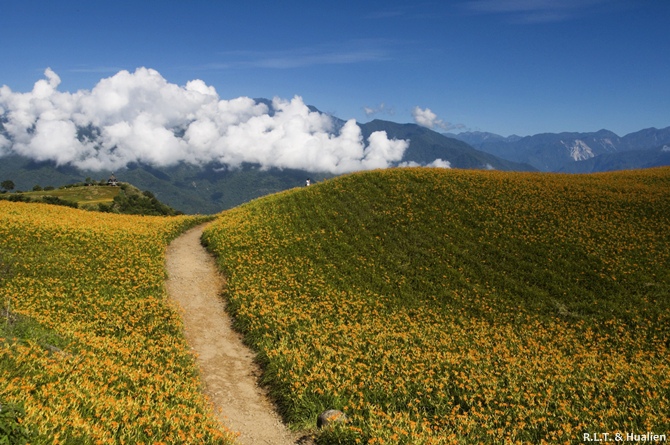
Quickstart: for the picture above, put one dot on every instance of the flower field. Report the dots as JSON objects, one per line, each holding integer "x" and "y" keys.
{"x": 440, "y": 306}
{"x": 103, "y": 359}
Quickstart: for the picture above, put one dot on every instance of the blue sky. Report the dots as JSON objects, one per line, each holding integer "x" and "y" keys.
{"x": 506, "y": 66}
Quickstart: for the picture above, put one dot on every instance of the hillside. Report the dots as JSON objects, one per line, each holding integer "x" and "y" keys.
{"x": 83, "y": 196}
{"x": 450, "y": 306}
{"x": 122, "y": 198}
{"x": 91, "y": 351}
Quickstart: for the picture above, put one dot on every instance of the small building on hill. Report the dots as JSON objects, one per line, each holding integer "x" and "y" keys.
{"x": 112, "y": 181}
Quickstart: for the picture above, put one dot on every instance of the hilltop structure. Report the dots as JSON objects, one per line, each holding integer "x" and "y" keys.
{"x": 112, "y": 181}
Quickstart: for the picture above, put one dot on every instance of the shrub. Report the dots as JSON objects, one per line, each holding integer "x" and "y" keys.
{"x": 12, "y": 430}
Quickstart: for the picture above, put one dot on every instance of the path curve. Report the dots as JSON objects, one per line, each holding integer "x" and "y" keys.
{"x": 227, "y": 368}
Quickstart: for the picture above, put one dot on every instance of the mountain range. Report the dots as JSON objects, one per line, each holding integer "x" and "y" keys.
{"x": 577, "y": 152}
{"x": 213, "y": 187}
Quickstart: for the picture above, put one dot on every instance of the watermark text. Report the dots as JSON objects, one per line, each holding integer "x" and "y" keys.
{"x": 625, "y": 437}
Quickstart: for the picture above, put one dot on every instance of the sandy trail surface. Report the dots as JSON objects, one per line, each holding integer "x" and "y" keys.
{"x": 227, "y": 368}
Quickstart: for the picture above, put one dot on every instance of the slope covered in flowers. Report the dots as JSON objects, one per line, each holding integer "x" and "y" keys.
{"x": 104, "y": 359}
{"x": 444, "y": 306}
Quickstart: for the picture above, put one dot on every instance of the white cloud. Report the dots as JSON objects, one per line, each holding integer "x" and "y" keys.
{"x": 381, "y": 150}
{"x": 426, "y": 118}
{"x": 437, "y": 163}
{"x": 141, "y": 117}
{"x": 4, "y": 145}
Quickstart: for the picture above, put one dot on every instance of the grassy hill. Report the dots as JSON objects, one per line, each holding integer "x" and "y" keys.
{"x": 447, "y": 306}
{"x": 124, "y": 198}
{"x": 83, "y": 196}
{"x": 90, "y": 349}
{"x": 432, "y": 306}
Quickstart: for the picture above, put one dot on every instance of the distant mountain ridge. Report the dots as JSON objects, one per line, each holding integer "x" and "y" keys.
{"x": 577, "y": 152}
{"x": 427, "y": 145}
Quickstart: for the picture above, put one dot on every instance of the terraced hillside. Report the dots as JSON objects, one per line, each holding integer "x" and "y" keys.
{"x": 443, "y": 306}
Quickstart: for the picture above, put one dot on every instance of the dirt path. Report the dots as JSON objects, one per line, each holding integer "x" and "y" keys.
{"x": 226, "y": 365}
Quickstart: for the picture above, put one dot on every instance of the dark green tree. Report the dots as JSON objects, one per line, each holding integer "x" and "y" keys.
{"x": 7, "y": 185}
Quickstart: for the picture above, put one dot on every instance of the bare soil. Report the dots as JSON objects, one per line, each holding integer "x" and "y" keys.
{"x": 227, "y": 368}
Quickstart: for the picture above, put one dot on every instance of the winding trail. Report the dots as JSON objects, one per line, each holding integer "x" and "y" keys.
{"x": 227, "y": 368}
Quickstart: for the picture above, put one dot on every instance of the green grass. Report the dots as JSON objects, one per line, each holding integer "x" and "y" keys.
{"x": 89, "y": 195}
{"x": 15, "y": 327}
{"x": 437, "y": 306}
{"x": 19, "y": 328}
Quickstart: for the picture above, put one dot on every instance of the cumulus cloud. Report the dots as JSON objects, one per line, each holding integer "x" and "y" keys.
{"x": 4, "y": 145}
{"x": 440, "y": 163}
{"x": 426, "y": 118}
{"x": 141, "y": 117}
{"x": 437, "y": 163}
